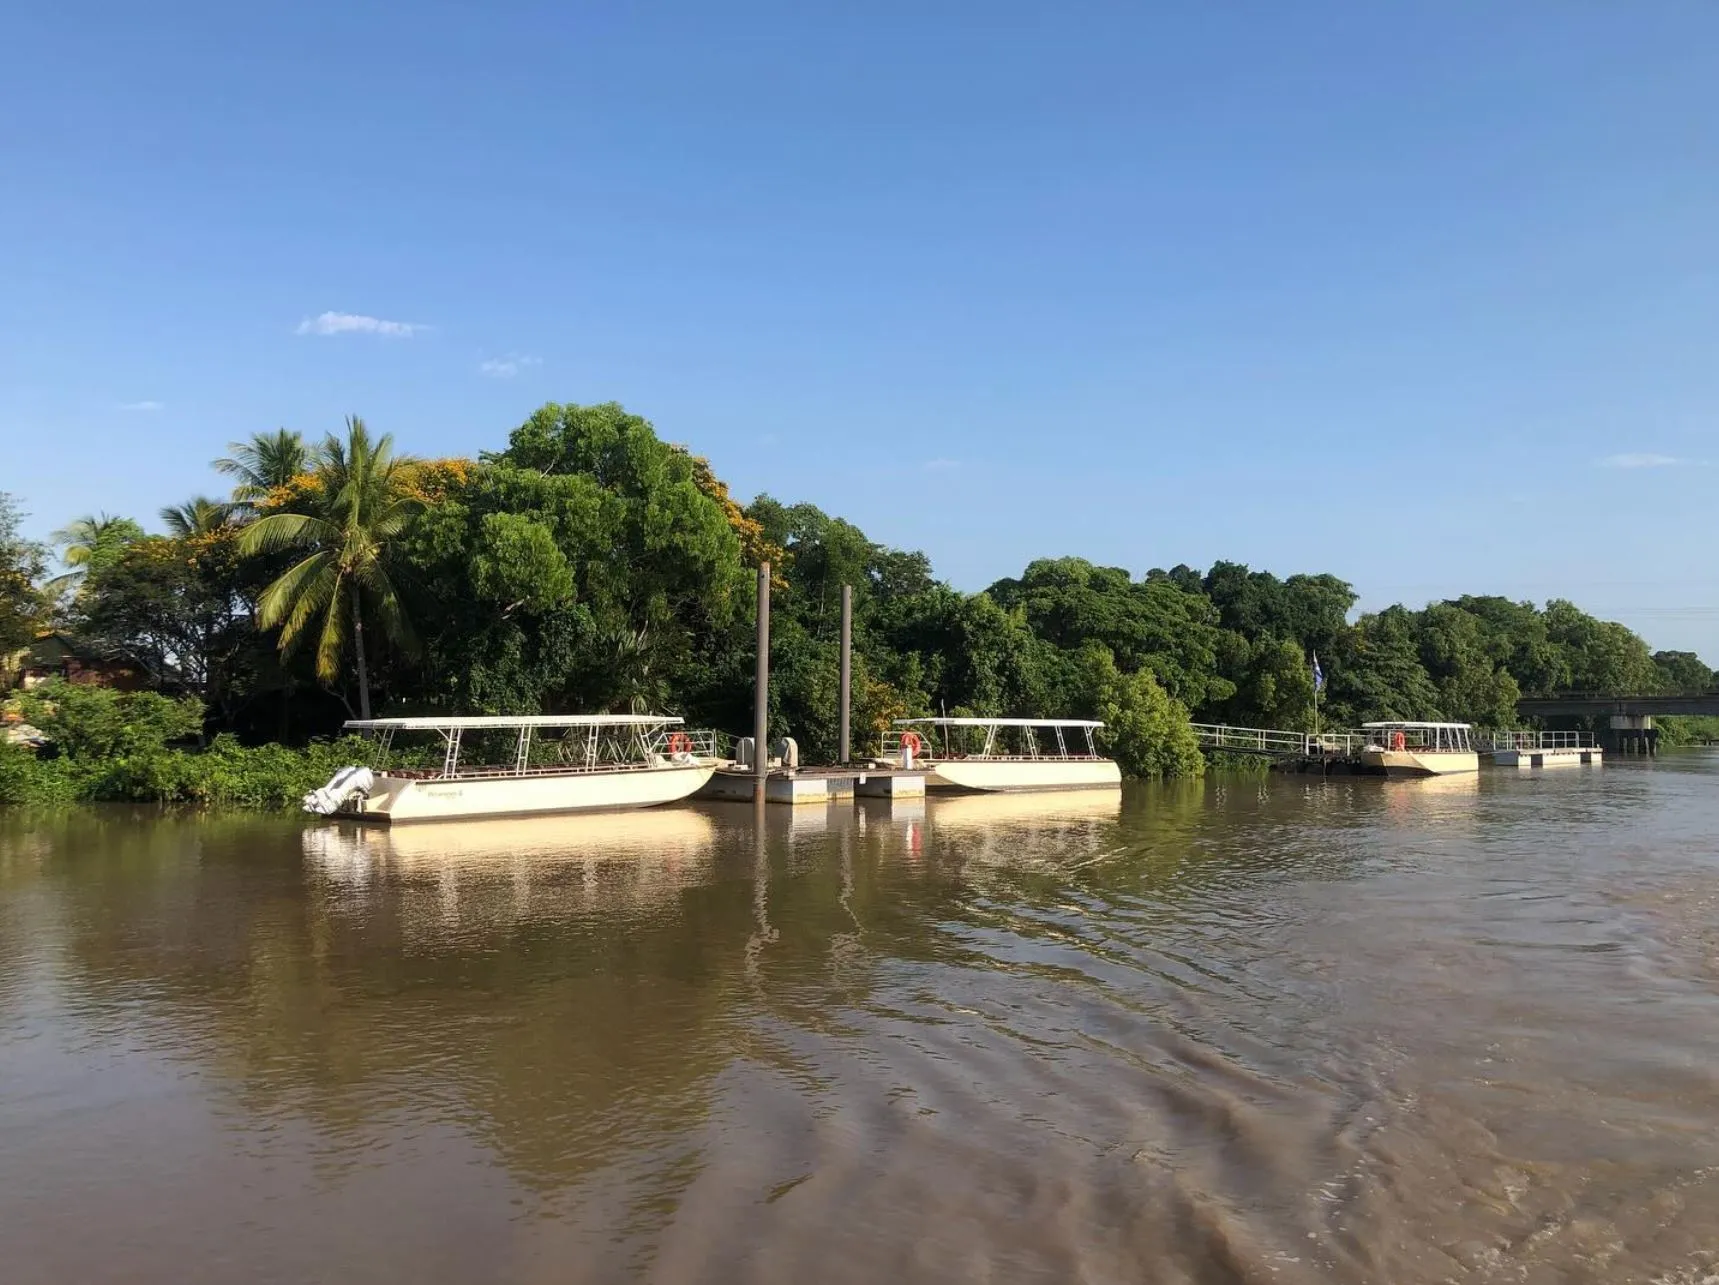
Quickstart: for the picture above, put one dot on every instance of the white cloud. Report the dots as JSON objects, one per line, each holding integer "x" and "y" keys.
{"x": 143, "y": 406}
{"x": 352, "y": 323}
{"x": 941, "y": 465}
{"x": 1641, "y": 460}
{"x": 509, "y": 366}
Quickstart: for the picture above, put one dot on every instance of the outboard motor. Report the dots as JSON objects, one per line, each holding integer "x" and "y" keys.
{"x": 341, "y": 786}
{"x": 788, "y": 752}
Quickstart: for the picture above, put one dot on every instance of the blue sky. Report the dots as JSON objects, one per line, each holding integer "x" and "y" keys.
{"x": 1424, "y": 294}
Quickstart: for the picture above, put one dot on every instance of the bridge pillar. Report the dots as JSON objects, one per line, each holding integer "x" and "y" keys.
{"x": 1635, "y": 734}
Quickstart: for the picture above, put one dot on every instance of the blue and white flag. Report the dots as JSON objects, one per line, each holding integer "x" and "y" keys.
{"x": 1318, "y": 675}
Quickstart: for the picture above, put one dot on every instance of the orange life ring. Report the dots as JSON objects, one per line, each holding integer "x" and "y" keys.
{"x": 1398, "y": 741}
{"x": 912, "y": 743}
{"x": 679, "y": 743}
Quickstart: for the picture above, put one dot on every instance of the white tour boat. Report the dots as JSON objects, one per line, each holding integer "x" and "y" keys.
{"x": 521, "y": 766}
{"x": 989, "y": 754}
{"x": 1418, "y": 749}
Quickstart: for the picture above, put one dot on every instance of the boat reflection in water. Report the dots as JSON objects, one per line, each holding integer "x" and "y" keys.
{"x": 1050, "y": 825}
{"x": 528, "y": 866}
{"x": 1443, "y": 802}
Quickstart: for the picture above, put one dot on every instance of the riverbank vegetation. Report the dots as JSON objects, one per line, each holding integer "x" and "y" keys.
{"x": 590, "y": 565}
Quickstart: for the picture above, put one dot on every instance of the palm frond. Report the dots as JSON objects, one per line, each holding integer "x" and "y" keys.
{"x": 285, "y": 531}
{"x": 321, "y": 590}
{"x": 336, "y": 625}
{"x": 396, "y": 518}
{"x": 282, "y": 598}
{"x": 265, "y": 461}
{"x": 198, "y": 516}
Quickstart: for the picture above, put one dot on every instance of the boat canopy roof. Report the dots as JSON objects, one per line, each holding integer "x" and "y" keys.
{"x": 1395, "y": 723}
{"x": 433, "y": 723}
{"x": 997, "y": 722}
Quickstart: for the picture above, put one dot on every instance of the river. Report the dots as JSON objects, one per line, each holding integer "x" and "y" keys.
{"x": 1276, "y": 1029}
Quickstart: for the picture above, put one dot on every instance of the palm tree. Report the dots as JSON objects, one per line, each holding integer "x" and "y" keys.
{"x": 199, "y": 516}
{"x": 360, "y": 506}
{"x": 89, "y": 543}
{"x": 265, "y": 462}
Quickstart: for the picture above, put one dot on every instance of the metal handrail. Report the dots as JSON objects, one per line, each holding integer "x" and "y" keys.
{"x": 1073, "y": 748}
{"x": 1223, "y": 738}
{"x": 1513, "y": 739}
{"x": 700, "y": 742}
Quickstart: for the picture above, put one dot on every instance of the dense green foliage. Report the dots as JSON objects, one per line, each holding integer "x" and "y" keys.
{"x": 143, "y": 747}
{"x": 23, "y": 604}
{"x": 590, "y": 565}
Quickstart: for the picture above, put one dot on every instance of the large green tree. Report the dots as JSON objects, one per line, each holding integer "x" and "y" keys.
{"x": 23, "y": 605}
{"x": 1683, "y": 671}
{"x": 658, "y": 560}
{"x": 175, "y": 607}
{"x": 88, "y": 544}
{"x": 264, "y": 463}
{"x": 1453, "y": 651}
{"x": 1145, "y": 728}
{"x": 1516, "y": 640}
{"x": 589, "y": 566}
{"x": 360, "y": 505}
{"x": 1376, "y": 672}
{"x": 1149, "y": 624}
{"x": 197, "y": 516}
{"x": 1603, "y": 656}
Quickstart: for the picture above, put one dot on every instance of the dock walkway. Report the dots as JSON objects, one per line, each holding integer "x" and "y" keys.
{"x": 817, "y": 784}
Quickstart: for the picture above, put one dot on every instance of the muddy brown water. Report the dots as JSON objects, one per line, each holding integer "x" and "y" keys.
{"x": 1280, "y": 1030}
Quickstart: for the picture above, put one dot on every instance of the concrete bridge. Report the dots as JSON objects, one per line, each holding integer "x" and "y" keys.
{"x": 1591, "y": 705}
{"x": 1631, "y": 717}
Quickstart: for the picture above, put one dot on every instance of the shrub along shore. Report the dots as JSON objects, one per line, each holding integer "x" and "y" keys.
{"x": 109, "y": 747}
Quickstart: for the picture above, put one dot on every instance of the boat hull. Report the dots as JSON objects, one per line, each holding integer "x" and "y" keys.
{"x": 1414, "y": 763}
{"x": 986, "y": 776}
{"x": 395, "y": 799}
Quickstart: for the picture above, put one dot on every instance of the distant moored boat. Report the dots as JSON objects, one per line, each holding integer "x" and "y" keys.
{"x": 992, "y": 754}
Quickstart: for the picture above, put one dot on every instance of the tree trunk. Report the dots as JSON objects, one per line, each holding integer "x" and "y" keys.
{"x": 358, "y": 646}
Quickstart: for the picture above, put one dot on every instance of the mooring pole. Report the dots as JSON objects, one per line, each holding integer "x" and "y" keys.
{"x": 761, "y": 692}
{"x": 847, "y": 669}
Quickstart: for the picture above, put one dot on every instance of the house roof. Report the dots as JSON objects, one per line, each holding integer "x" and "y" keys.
{"x": 51, "y": 648}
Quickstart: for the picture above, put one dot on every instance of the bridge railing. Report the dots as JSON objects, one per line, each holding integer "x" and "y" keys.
{"x": 1275, "y": 742}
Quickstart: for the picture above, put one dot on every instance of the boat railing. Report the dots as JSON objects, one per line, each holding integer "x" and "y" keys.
{"x": 527, "y": 751}
{"x": 1419, "y": 740}
{"x": 699, "y": 742}
{"x": 1042, "y": 746}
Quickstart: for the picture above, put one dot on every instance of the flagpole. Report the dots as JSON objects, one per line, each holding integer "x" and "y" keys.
{"x": 1318, "y": 682}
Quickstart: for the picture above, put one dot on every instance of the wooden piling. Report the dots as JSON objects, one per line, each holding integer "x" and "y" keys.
{"x": 761, "y": 685}
{"x": 847, "y": 671}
